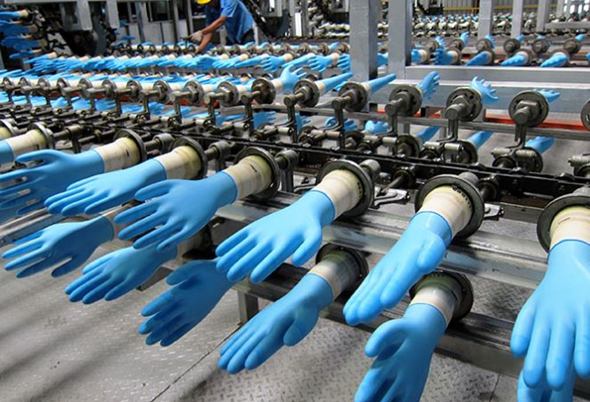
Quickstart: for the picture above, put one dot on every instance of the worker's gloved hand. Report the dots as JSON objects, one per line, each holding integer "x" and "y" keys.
{"x": 543, "y": 393}
{"x": 117, "y": 273}
{"x": 197, "y": 288}
{"x": 272, "y": 63}
{"x": 168, "y": 210}
{"x": 553, "y": 327}
{"x": 402, "y": 350}
{"x": 320, "y": 64}
{"x": 52, "y": 175}
{"x": 285, "y": 322}
{"x": 418, "y": 252}
{"x": 104, "y": 191}
{"x": 196, "y": 37}
{"x": 266, "y": 243}
{"x": 488, "y": 93}
{"x": 64, "y": 246}
{"x": 290, "y": 76}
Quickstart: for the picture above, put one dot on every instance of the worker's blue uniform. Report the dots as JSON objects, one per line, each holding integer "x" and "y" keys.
{"x": 239, "y": 24}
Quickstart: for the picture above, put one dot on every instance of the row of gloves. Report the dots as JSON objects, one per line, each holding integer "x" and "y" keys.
{"x": 262, "y": 246}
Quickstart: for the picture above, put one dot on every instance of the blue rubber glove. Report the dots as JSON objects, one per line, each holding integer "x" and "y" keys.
{"x": 266, "y": 243}
{"x": 300, "y": 61}
{"x": 10, "y": 15}
{"x": 418, "y": 252}
{"x": 442, "y": 57}
{"x": 541, "y": 144}
{"x": 382, "y": 59}
{"x": 519, "y": 59}
{"x": 488, "y": 94}
{"x": 289, "y": 77}
{"x": 227, "y": 63}
{"x": 344, "y": 63}
{"x": 426, "y": 134}
{"x": 251, "y": 62}
{"x": 104, "y": 191}
{"x": 464, "y": 38}
{"x": 378, "y": 83}
{"x": 6, "y": 154}
{"x": 168, "y": 210}
{"x": 480, "y": 138}
{"x": 54, "y": 174}
{"x": 320, "y": 64}
{"x": 549, "y": 94}
{"x": 543, "y": 393}
{"x": 272, "y": 63}
{"x": 480, "y": 59}
{"x": 117, "y": 274}
{"x": 403, "y": 349}
{"x": 418, "y": 57}
{"x": 553, "y": 327}
{"x": 68, "y": 245}
{"x": 197, "y": 288}
{"x": 286, "y": 322}
{"x": 349, "y": 125}
{"x": 557, "y": 60}
{"x": 376, "y": 127}
{"x": 429, "y": 85}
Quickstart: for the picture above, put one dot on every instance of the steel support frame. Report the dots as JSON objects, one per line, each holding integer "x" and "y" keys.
{"x": 543, "y": 15}
{"x": 517, "y": 17}
{"x": 486, "y": 18}
{"x": 364, "y": 15}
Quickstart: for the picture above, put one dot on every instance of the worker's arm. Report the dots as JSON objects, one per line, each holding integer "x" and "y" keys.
{"x": 204, "y": 42}
{"x": 218, "y": 23}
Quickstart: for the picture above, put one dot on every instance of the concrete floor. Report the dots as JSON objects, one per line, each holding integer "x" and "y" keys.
{"x": 54, "y": 350}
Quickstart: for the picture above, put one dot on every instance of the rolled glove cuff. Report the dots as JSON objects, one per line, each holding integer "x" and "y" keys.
{"x": 450, "y": 203}
{"x": 439, "y": 292}
{"x": 571, "y": 223}
{"x": 181, "y": 163}
{"x": 32, "y": 140}
{"x": 119, "y": 154}
{"x": 251, "y": 175}
{"x": 343, "y": 188}
{"x": 338, "y": 269}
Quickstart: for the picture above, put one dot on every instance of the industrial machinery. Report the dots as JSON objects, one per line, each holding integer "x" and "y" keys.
{"x": 366, "y": 184}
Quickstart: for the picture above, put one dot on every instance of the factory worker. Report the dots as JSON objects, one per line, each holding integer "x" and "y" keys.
{"x": 233, "y": 14}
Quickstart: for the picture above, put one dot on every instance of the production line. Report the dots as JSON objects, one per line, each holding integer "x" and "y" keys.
{"x": 273, "y": 170}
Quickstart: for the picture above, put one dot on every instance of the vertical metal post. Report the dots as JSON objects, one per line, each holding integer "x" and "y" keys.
{"x": 112, "y": 14}
{"x": 364, "y": 16}
{"x": 142, "y": 19}
{"x": 517, "y": 14}
{"x": 292, "y": 14}
{"x": 188, "y": 6}
{"x": 247, "y": 306}
{"x": 559, "y": 8}
{"x": 304, "y": 19}
{"x": 84, "y": 17}
{"x": 175, "y": 20}
{"x": 400, "y": 37}
{"x": 543, "y": 14}
{"x": 486, "y": 18}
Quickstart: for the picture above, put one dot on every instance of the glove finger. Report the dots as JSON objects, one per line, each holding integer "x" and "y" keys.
{"x": 310, "y": 246}
{"x": 97, "y": 263}
{"x": 81, "y": 281}
{"x": 100, "y": 291}
{"x": 178, "y": 238}
{"x": 559, "y": 357}
{"x": 177, "y": 334}
{"x": 534, "y": 363}
{"x": 262, "y": 352}
{"x": 30, "y": 208}
{"x": 371, "y": 384}
{"x": 237, "y": 339}
{"x": 160, "y": 303}
{"x": 272, "y": 261}
{"x": 77, "y": 207}
{"x": 136, "y": 213}
{"x": 107, "y": 202}
{"x": 400, "y": 281}
{"x": 523, "y": 329}
{"x": 43, "y": 156}
{"x": 236, "y": 363}
{"x": 231, "y": 242}
{"x": 54, "y": 202}
{"x": 25, "y": 248}
{"x": 142, "y": 226}
{"x": 165, "y": 330}
{"x": 38, "y": 267}
{"x": 154, "y": 190}
{"x": 161, "y": 318}
{"x": 582, "y": 351}
{"x": 301, "y": 327}
{"x": 241, "y": 268}
{"x": 227, "y": 261}
{"x": 155, "y": 236}
{"x": 78, "y": 294}
{"x": 19, "y": 201}
{"x": 14, "y": 189}
{"x": 389, "y": 335}
{"x": 82, "y": 182}
{"x": 68, "y": 267}
{"x": 28, "y": 259}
